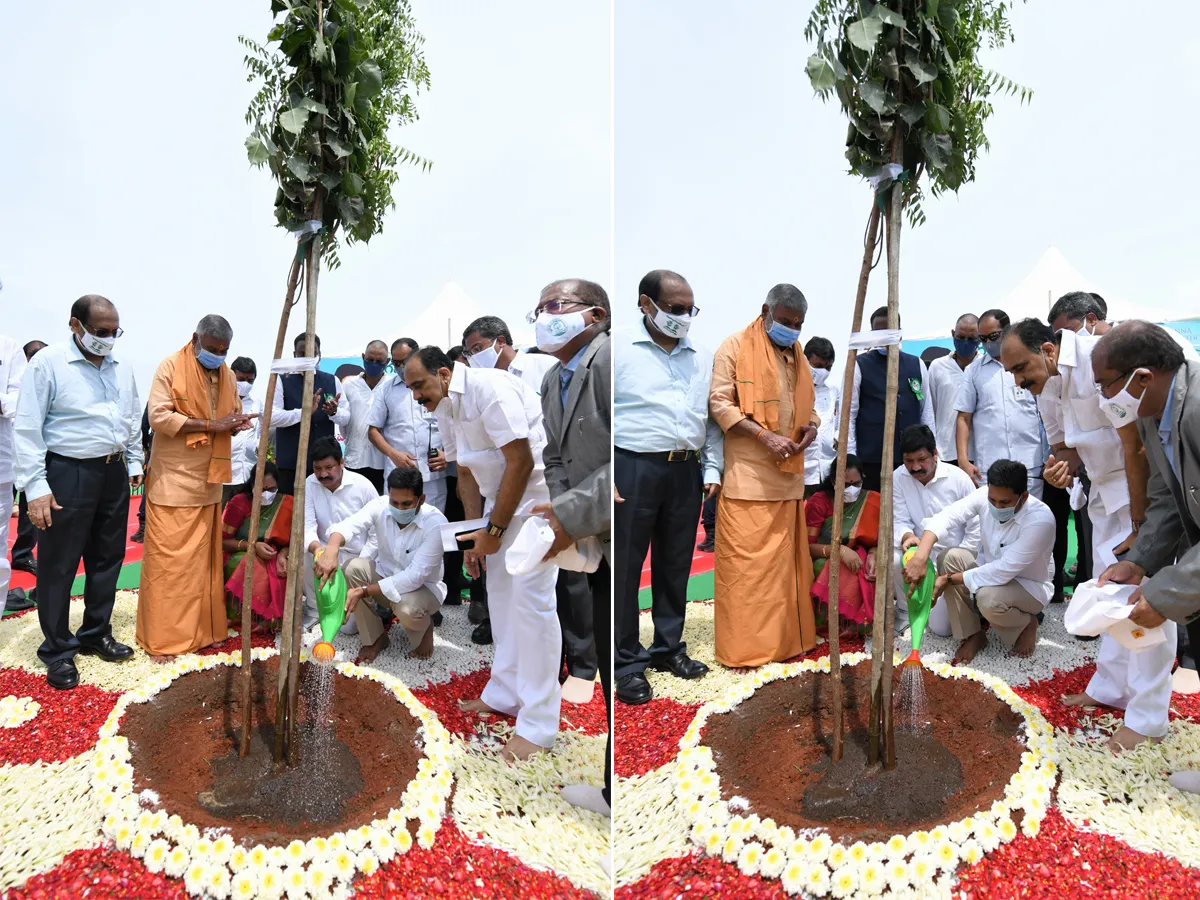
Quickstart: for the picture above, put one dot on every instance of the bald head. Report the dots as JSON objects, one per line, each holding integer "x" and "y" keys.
{"x": 90, "y": 305}
{"x": 1137, "y": 345}
{"x": 376, "y": 347}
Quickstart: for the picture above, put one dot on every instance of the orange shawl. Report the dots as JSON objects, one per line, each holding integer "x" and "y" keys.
{"x": 189, "y": 385}
{"x": 758, "y": 388}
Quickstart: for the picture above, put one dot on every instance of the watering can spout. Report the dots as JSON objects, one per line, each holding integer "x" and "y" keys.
{"x": 331, "y": 612}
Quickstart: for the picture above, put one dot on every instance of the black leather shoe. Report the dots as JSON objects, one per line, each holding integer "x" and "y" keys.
{"x": 18, "y": 601}
{"x": 25, "y": 564}
{"x": 107, "y": 649}
{"x": 62, "y": 675}
{"x": 708, "y": 545}
{"x": 139, "y": 536}
{"x": 681, "y": 666}
{"x": 634, "y": 690}
{"x": 482, "y": 633}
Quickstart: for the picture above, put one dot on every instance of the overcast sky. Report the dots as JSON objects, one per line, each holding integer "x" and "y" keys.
{"x": 125, "y": 172}
{"x": 730, "y": 171}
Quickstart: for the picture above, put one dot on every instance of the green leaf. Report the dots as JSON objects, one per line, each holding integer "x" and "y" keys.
{"x": 931, "y": 8}
{"x": 351, "y": 210}
{"x": 937, "y": 118}
{"x": 889, "y": 65}
{"x": 340, "y": 150}
{"x": 292, "y": 120}
{"x": 331, "y": 180}
{"x": 874, "y": 96}
{"x": 320, "y": 51}
{"x": 351, "y": 89}
{"x": 257, "y": 151}
{"x": 820, "y": 73}
{"x": 922, "y": 71}
{"x": 864, "y": 33}
{"x": 912, "y": 113}
{"x": 352, "y": 185}
{"x": 299, "y": 167}
{"x": 887, "y": 15}
{"x": 314, "y": 106}
{"x": 937, "y": 149}
{"x": 370, "y": 79}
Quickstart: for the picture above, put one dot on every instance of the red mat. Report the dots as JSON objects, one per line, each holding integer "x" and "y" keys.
{"x": 133, "y": 552}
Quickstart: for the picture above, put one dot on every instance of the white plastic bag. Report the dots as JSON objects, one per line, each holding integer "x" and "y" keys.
{"x": 1095, "y": 610}
{"x": 525, "y": 556}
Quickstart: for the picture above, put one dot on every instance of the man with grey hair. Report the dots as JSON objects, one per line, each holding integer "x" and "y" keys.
{"x": 762, "y": 398}
{"x": 194, "y": 411}
{"x": 869, "y": 401}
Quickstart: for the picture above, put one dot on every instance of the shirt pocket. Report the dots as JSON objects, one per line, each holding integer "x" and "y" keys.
{"x": 697, "y": 395}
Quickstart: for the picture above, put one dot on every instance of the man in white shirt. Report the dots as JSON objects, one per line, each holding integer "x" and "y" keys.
{"x": 487, "y": 344}
{"x": 1058, "y": 370}
{"x": 332, "y": 494}
{"x": 492, "y": 426}
{"x": 826, "y": 404}
{"x": 244, "y": 445}
{"x": 921, "y": 488}
{"x": 1001, "y": 415}
{"x": 12, "y": 367}
{"x": 869, "y": 402}
{"x": 403, "y": 568}
{"x": 362, "y": 456}
{"x": 404, "y": 433}
{"x": 1010, "y": 580}
{"x": 945, "y": 379}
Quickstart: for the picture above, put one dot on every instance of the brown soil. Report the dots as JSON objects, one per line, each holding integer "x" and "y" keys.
{"x": 183, "y": 745}
{"x": 774, "y": 752}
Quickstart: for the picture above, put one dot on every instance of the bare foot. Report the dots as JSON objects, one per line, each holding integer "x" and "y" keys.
{"x": 162, "y": 660}
{"x": 370, "y": 651}
{"x": 577, "y": 690}
{"x": 968, "y": 648}
{"x": 520, "y": 749}
{"x": 1078, "y": 700}
{"x": 1127, "y": 739}
{"x": 424, "y": 650}
{"x": 478, "y": 707}
{"x": 1027, "y": 640}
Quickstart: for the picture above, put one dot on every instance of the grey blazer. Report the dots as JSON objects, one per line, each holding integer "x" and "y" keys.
{"x": 1168, "y": 545}
{"x": 578, "y": 454}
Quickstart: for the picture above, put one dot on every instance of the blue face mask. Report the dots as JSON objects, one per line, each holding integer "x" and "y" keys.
{"x": 882, "y": 351}
{"x": 209, "y": 360}
{"x": 965, "y": 347}
{"x": 781, "y": 335}
{"x": 373, "y": 369}
{"x": 1002, "y": 515}
{"x": 404, "y": 516}
{"x": 992, "y": 348}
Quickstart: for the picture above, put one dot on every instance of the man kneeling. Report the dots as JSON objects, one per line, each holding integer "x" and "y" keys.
{"x": 402, "y": 566}
{"x": 1011, "y": 578}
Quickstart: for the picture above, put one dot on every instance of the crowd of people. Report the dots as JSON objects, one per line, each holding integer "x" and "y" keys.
{"x": 993, "y": 450}
{"x": 414, "y": 440}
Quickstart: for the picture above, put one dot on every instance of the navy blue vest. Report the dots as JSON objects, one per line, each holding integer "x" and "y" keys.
{"x": 287, "y": 440}
{"x": 873, "y": 400}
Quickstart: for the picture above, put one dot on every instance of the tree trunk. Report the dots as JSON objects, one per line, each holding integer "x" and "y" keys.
{"x": 287, "y": 695}
{"x": 835, "y": 650}
{"x": 256, "y": 509}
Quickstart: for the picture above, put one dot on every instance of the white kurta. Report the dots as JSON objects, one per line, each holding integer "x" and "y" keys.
{"x": 1139, "y": 683}
{"x": 360, "y": 452}
{"x": 821, "y": 455}
{"x": 12, "y": 367}
{"x": 485, "y": 410}
{"x": 408, "y": 428}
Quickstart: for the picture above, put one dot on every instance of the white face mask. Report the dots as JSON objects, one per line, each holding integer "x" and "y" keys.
{"x": 672, "y": 326}
{"x": 820, "y": 376}
{"x": 243, "y": 388}
{"x": 268, "y": 497}
{"x": 555, "y": 332}
{"x": 97, "y": 346}
{"x": 485, "y": 358}
{"x": 851, "y": 493}
{"x": 1123, "y": 408}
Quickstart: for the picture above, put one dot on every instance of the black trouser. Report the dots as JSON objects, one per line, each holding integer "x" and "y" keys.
{"x": 375, "y": 476}
{"x": 871, "y": 475}
{"x": 452, "y": 562}
{"x": 94, "y": 496}
{"x": 601, "y": 584}
{"x": 660, "y": 514}
{"x": 1190, "y": 657}
{"x": 1083, "y": 536}
{"x": 708, "y": 518}
{"x": 142, "y": 511}
{"x": 22, "y": 548}
{"x": 573, "y": 592}
{"x": 1059, "y": 502}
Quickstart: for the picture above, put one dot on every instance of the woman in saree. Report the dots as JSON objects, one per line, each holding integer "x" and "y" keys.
{"x": 860, "y": 534}
{"x": 269, "y": 547}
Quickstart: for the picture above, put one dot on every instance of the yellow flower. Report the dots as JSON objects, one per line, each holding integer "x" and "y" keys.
{"x": 425, "y": 836}
{"x": 297, "y": 852}
{"x": 343, "y": 865}
{"x": 244, "y": 887}
{"x": 404, "y": 840}
{"x": 837, "y": 856}
{"x": 1008, "y": 830}
{"x": 156, "y": 855}
{"x": 857, "y": 852}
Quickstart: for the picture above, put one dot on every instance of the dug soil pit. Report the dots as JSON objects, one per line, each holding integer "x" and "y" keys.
{"x": 354, "y": 764}
{"x": 772, "y": 750}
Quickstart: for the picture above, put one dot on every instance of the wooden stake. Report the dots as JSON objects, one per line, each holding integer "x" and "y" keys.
{"x": 256, "y": 509}
{"x": 839, "y": 487}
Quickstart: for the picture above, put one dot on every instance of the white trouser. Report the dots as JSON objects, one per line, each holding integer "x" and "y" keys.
{"x": 309, "y": 615}
{"x": 7, "y": 509}
{"x": 528, "y": 639}
{"x": 939, "y": 616}
{"x": 1139, "y": 683}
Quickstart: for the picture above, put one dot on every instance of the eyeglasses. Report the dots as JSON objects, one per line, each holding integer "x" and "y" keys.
{"x": 1102, "y": 386}
{"x": 554, "y": 308}
{"x": 991, "y": 338}
{"x": 105, "y": 332}
{"x": 678, "y": 309}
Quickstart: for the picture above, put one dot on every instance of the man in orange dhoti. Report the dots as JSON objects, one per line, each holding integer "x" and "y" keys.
{"x": 762, "y": 397}
{"x": 194, "y": 411}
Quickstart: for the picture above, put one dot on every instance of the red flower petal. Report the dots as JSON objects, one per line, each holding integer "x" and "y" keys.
{"x": 700, "y": 876}
{"x": 67, "y": 724}
{"x": 647, "y": 736}
{"x": 99, "y": 874}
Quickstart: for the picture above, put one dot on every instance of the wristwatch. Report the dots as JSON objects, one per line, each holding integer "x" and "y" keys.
{"x": 495, "y": 530}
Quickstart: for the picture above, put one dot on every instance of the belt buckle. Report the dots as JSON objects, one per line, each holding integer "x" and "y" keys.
{"x": 113, "y": 457}
{"x": 677, "y": 455}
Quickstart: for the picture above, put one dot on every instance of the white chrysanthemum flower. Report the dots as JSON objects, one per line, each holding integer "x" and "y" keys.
{"x": 857, "y": 853}
{"x": 343, "y": 864}
{"x": 818, "y": 847}
{"x": 384, "y": 846}
{"x": 816, "y": 879}
{"x": 270, "y": 883}
{"x": 156, "y": 855}
{"x": 296, "y": 853}
{"x": 844, "y": 882}
{"x": 320, "y": 879}
{"x": 244, "y": 887}
{"x": 971, "y": 852}
{"x": 897, "y": 846}
{"x": 731, "y": 849}
{"x": 837, "y": 856}
{"x": 988, "y": 836}
{"x": 317, "y": 846}
{"x": 946, "y": 855}
{"x": 295, "y": 882}
{"x": 873, "y": 879}
{"x": 919, "y": 841}
{"x": 137, "y": 846}
{"x": 367, "y": 862}
{"x": 123, "y": 837}
{"x": 923, "y": 868}
{"x": 939, "y": 834}
{"x": 196, "y": 877}
{"x": 425, "y": 836}
{"x": 899, "y": 875}
{"x": 750, "y": 858}
{"x": 337, "y": 842}
{"x": 1008, "y": 830}
{"x": 1032, "y": 826}
{"x": 217, "y": 884}
{"x": 177, "y": 862}
{"x": 958, "y": 832}
{"x": 203, "y": 849}
{"x": 277, "y": 856}
{"x": 238, "y": 858}
{"x": 403, "y": 840}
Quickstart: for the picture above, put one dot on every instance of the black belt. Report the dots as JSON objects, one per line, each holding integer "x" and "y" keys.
{"x": 118, "y": 457}
{"x": 668, "y": 455}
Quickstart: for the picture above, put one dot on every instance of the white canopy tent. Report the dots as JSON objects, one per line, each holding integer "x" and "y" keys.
{"x": 453, "y": 309}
